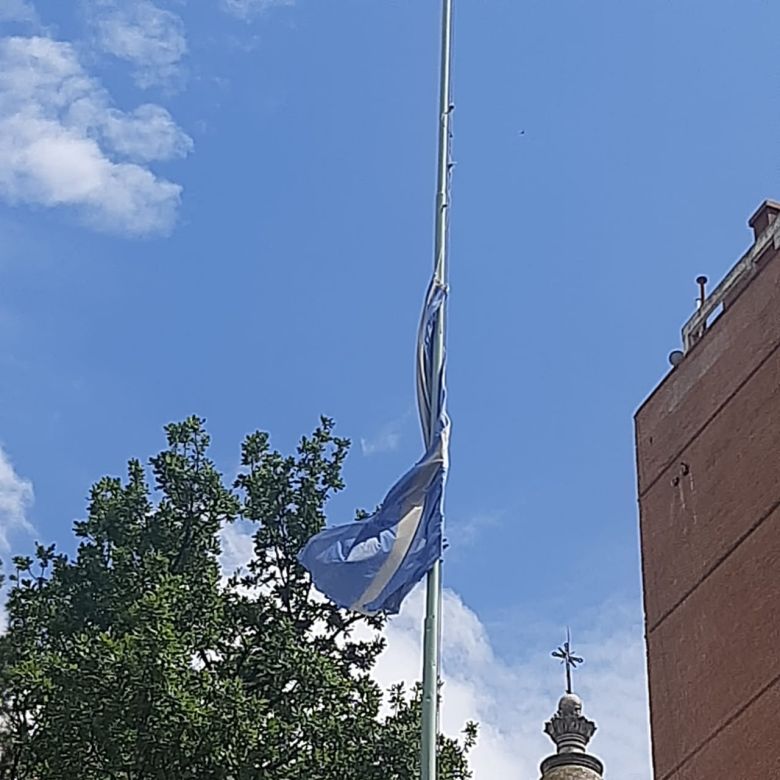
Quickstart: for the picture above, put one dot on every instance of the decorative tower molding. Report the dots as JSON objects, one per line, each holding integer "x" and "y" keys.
{"x": 568, "y": 728}
{"x": 571, "y": 732}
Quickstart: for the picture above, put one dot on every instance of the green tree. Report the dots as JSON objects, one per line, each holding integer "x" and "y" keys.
{"x": 137, "y": 660}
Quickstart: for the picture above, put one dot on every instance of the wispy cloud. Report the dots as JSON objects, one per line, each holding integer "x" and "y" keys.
{"x": 466, "y": 532}
{"x": 63, "y": 143}
{"x": 151, "y": 38}
{"x": 386, "y": 439}
{"x": 17, "y": 11}
{"x": 245, "y": 9}
{"x": 16, "y": 497}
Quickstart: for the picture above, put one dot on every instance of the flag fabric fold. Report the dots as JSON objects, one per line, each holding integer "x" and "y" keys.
{"x": 371, "y": 565}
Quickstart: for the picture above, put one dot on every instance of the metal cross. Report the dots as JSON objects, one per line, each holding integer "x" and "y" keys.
{"x": 568, "y": 658}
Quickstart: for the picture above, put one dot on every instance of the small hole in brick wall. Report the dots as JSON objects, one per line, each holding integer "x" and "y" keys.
{"x": 650, "y": 439}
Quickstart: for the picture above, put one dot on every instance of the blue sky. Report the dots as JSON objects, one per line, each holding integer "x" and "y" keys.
{"x": 225, "y": 207}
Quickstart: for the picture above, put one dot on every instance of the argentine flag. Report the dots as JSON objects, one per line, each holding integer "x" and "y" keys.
{"x": 371, "y": 565}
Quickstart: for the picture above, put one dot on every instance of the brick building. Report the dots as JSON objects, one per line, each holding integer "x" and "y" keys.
{"x": 708, "y": 460}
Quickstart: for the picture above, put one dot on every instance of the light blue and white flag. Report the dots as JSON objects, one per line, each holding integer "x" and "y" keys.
{"x": 371, "y": 565}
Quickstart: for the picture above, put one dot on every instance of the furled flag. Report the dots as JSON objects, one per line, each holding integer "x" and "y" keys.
{"x": 370, "y": 565}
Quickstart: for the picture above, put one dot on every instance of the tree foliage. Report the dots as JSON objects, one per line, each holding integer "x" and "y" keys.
{"x": 137, "y": 659}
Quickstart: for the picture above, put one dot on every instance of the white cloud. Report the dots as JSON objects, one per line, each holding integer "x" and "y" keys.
{"x": 237, "y": 545}
{"x": 139, "y": 32}
{"x": 16, "y": 496}
{"x": 469, "y": 531}
{"x": 62, "y": 143}
{"x": 511, "y": 699}
{"x": 244, "y": 9}
{"x": 386, "y": 439}
{"x": 148, "y": 133}
{"x": 17, "y": 11}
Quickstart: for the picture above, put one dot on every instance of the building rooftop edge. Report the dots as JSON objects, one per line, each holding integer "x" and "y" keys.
{"x": 767, "y": 205}
{"x": 771, "y": 235}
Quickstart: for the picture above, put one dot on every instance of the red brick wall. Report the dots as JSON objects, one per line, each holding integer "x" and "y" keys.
{"x": 708, "y": 459}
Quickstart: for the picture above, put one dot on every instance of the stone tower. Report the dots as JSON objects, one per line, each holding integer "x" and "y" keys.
{"x": 571, "y": 731}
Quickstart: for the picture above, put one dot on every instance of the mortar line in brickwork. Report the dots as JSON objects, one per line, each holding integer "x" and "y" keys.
{"x": 722, "y": 559}
{"x": 715, "y": 413}
{"x": 726, "y": 723}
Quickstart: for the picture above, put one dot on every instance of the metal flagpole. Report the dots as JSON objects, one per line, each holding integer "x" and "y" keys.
{"x": 432, "y": 625}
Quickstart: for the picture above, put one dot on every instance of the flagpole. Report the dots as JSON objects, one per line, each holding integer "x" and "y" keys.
{"x": 432, "y": 624}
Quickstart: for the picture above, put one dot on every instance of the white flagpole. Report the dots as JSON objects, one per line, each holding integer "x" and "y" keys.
{"x": 432, "y": 625}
